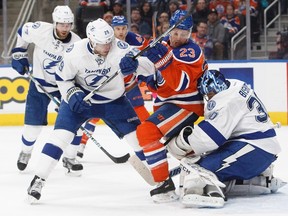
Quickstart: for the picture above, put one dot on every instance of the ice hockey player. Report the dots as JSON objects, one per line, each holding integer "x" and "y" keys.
{"x": 50, "y": 40}
{"x": 235, "y": 145}
{"x": 85, "y": 65}
{"x": 133, "y": 92}
{"x": 179, "y": 62}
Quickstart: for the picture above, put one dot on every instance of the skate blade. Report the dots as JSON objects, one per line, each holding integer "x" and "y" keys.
{"x": 72, "y": 173}
{"x": 198, "y": 201}
{"x": 31, "y": 200}
{"x": 165, "y": 197}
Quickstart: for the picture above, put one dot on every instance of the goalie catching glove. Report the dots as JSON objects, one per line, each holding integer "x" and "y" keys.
{"x": 20, "y": 61}
{"x": 75, "y": 100}
{"x": 179, "y": 146}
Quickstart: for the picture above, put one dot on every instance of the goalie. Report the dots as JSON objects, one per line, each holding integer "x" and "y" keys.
{"x": 231, "y": 151}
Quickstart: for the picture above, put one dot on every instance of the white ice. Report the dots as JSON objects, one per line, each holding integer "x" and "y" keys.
{"x": 106, "y": 188}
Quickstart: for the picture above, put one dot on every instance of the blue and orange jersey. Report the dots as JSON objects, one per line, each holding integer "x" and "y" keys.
{"x": 240, "y": 5}
{"x": 136, "y": 40}
{"x": 232, "y": 23}
{"x": 181, "y": 68}
{"x": 219, "y": 6}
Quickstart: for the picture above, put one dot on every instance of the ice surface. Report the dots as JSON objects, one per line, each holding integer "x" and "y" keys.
{"x": 106, "y": 188}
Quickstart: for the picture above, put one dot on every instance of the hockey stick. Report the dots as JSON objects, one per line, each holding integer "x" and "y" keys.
{"x": 121, "y": 159}
{"x": 152, "y": 44}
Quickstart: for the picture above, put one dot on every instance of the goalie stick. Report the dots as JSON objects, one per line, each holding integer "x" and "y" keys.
{"x": 152, "y": 44}
{"x": 121, "y": 159}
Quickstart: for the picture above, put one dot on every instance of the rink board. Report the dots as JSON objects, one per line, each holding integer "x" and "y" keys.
{"x": 268, "y": 78}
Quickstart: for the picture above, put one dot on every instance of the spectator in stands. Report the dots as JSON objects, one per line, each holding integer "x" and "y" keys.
{"x": 144, "y": 28}
{"x": 183, "y": 4}
{"x": 282, "y": 46}
{"x": 202, "y": 39}
{"x": 173, "y": 6}
{"x": 164, "y": 27}
{"x": 134, "y": 28}
{"x": 216, "y": 32}
{"x": 103, "y": 3}
{"x": 163, "y": 18}
{"x": 220, "y": 6}
{"x": 89, "y": 10}
{"x": 284, "y": 6}
{"x": 146, "y": 12}
{"x": 108, "y": 16}
{"x": 200, "y": 13}
{"x": 117, "y": 8}
{"x": 231, "y": 23}
{"x": 240, "y": 10}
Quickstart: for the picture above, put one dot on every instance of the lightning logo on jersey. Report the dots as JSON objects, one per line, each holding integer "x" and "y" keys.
{"x": 233, "y": 158}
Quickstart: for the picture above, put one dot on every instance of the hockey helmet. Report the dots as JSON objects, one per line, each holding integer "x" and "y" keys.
{"x": 119, "y": 21}
{"x": 212, "y": 81}
{"x": 186, "y": 24}
{"x": 62, "y": 14}
{"x": 99, "y": 32}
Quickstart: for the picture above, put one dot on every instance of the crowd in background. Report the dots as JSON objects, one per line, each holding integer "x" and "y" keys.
{"x": 215, "y": 21}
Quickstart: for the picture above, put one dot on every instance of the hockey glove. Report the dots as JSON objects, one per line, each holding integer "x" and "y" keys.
{"x": 20, "y": 60}
{"x": 75, "y": 100}
{"x": 128, "y": 65}
{"x": 152, "y": 81}
{"x": 156, "y": 53}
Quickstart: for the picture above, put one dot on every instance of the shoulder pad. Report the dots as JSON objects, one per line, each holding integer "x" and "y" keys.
{"x": 187, "y": 53}
{"x": 134, "y": 39}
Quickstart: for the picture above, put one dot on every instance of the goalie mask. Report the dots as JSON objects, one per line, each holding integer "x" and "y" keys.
{"x": 99, "y": 32}
{"x": 212, "y": 81}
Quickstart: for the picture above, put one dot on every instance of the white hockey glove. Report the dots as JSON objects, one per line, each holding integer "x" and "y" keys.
{"x": 179, "y": 146}
{"x": 75, "y": 100}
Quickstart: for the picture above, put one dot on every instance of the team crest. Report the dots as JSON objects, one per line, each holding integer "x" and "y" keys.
{"x": 122, "y": 45}
{"x": 211, "y": 104}
{"x": 70, "y": 48}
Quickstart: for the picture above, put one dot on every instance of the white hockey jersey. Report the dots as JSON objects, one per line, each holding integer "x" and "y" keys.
{"x": 83, "y": 68}
{"x": 234, "y": 114}
{"x": 48, "y": 51}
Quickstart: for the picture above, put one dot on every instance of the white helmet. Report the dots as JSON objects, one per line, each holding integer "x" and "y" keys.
{"x": 99, "y": 32}
{"x": 62, "y": 14}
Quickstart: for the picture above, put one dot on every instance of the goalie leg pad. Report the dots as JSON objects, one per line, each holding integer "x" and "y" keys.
{"x": 199, "y": 187}
{"x": 259, "y": 185}
{"x": 199, "y": 201}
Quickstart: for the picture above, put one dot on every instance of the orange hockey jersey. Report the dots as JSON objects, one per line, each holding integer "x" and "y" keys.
{"x": 183, "y": 67}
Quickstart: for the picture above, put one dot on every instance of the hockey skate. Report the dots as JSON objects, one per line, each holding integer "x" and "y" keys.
{"x": 34, "y": 190}
{"x": 164, "y": 192}
{"x": 80, "y": 152}
{"x": 23, "y": 160}
{"x": 74, "y": 167}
